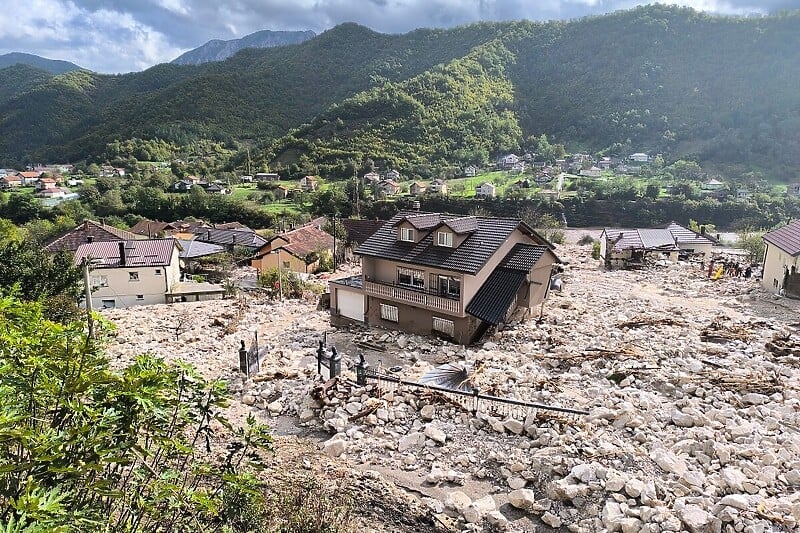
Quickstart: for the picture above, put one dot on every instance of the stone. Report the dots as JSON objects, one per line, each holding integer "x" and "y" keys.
{"x": 407, "y": 442}
{"x": 630, "y": 525}
{"x": 306, "y": 416}
{"x": 428, "y": 412}
{"x": 435, "y": 434}
{"x": 514, "y": 426}
{"x": 696, "y": 519}
{"x": 497, "y": 519}
{"x": 516, "y": 482}
{"x": 522, "y": 499}
{"x": 551, "y": 520}
{"x": 275, "y": 408}
{"x": 615, "y": 483}
{"x": 668, "y": 461}
{"x": 681, "y": 419}
{"x": 248, "y": 399}
{"x": 457, "y": 501}
{"x": 478, "y": 509}
{"x": 612, "y": 516}
{"x": 584, "y": 473}
{"x": 634, "y": 487}
{"x": 334, "y": 447}
{"x": 739, "y": 501}
{"x": 733, "y": 478}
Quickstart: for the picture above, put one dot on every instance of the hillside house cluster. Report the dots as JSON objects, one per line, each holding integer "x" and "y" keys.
{"x": 454, "y": 276}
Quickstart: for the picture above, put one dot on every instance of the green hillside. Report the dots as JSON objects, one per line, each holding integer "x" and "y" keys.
{"x": 720, "y": 90}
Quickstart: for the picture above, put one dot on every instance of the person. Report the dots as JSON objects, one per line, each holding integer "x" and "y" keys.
{"x": 748, "y": 272}
{"x": 710, "y": 268}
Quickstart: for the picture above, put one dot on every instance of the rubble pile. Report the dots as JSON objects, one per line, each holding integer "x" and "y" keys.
{"x": 686, "y": 431}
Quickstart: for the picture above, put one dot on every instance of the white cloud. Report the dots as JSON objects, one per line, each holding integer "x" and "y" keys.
{"x": 125, "y": 35}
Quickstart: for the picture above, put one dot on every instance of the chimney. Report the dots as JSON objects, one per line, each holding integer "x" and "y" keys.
{"x": 415, "y": 205}
{"x": 121, "y": 253}
{"x": 702, "y": 230}
{"x": 89, "y": 238}
{"x": 86, "y": 224}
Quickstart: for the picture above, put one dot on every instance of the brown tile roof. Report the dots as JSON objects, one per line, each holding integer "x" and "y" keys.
{"x": 359, "y": 231}
{"x": 137, "y": 253}
{"x": 88, "y": 231}
{"x": 786, "y": 238}
{"x": 305, "y": 240}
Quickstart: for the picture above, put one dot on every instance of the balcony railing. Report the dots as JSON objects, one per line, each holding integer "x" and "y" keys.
{"x": 412, "y": 296}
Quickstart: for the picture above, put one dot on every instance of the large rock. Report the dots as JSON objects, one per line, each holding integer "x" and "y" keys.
{"x": 334, "y": 447}
{"x": 668, "y": 461}
{"x": 435, "y": 434}
{"x": 457, "y": 501}
{"x": 408, "y": 442}
{"x": 551, "y": 520}
{"x": 612, "y": 516}
{"x": 522, "y": 499}
{"x": 698, "y": 520}
{"x": 427, "y": 412}
{"x": 478, "y": 509}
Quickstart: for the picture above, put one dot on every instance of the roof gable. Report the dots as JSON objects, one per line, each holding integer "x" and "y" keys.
{"x": 786, "y": 238}
{"x": 88, "y": 231}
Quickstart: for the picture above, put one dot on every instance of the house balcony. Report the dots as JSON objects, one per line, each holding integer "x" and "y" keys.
{"x": 417, "y": 297}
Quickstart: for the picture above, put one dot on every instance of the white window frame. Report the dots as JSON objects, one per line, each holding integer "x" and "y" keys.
{"x": 444, "y": 238}
{"x": 407, "y": 235}
{"x": 443, "y": 325}
{"x": 417, "y": 278}
{"x": 389, "y": 312}
{"x": 133, "y": 276}
{"x": 105, "y": 304}
{"x": 99, "y": 281}
{"x": 158, "y": 272}
{"x": 140, "y": 297}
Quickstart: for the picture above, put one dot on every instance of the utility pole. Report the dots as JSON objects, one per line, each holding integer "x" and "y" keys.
{"x": 333, "y": 223}
{"x": 88, "y": 294}
{"x": 280, "y": 276}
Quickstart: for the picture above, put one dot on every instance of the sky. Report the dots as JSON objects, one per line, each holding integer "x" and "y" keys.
{"x": 114, "y": 36}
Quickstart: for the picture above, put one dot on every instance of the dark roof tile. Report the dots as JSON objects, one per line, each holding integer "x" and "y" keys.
{"x": 786, "y": 238}
{"x": 87, "y": 231}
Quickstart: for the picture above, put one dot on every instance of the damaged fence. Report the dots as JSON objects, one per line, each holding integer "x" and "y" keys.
{"x": 471, "y": 400}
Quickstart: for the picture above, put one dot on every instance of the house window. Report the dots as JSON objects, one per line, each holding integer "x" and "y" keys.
{"x": 158, "y": 272}
{"x": 285, "y": 264}
{"x": 99, "y": 281}
{"x": 407, "y": 234}
{"x": 108, "y": 304}
{"x": 140, "y": 296}
{"x": 445, "y": 238}
{"x": 449, "y": 286}
{"x": 133, "y": 276}
{"x": 389, "y": 312}
{"x": 411, "y": 278}
{"x": 442, "y": 325}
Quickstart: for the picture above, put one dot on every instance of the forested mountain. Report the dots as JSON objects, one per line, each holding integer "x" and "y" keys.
{"x": 53, "y": 66}
{"x": 721, "y": 90}
{"x": 217, "y": 50}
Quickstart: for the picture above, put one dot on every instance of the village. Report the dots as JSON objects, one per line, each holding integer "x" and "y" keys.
{"x": 649, "y": 396}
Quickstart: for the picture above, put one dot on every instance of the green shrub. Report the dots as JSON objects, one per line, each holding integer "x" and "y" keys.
{"x": 596, "y": 250}
{"x": 586, "y": 239}
{"x": 290, "y": 283}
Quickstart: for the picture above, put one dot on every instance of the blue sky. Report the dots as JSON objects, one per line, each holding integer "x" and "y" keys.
{"x": 114, "y": 36}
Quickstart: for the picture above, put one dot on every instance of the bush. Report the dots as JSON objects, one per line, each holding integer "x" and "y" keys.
{"x": 586, "y": 239}
{"x": 596, "y": 250}
{"x": 753, "y": 244}
{"x": 555, "y": 236}
{"x": 290, "y": 283}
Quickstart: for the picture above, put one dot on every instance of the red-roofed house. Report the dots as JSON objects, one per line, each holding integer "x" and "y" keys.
{"x": 7, "y": 182}
{"x": 782, "y": 260}
{"x": 45, "y": 183}
{"x": 86, "y": 232}
{"x": 298, "y": 250}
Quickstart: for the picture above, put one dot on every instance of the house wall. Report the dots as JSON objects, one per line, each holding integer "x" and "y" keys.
{"x": 347, "y": 304}
{"x": 270, "y": 261}
{"x": 386, "y": 271}
{"x": 704, "y": 249}
{"x": 471, "y": 284}
{"x": 419, "y": 320}
{"x": 151, "y": 286}
{"x": 776, "y": 263}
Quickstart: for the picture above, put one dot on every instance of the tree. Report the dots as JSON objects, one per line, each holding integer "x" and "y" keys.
{"x": 91, "y": 449}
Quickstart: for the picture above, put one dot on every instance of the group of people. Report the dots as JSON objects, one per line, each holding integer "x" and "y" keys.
{"x": 717, "y": 269}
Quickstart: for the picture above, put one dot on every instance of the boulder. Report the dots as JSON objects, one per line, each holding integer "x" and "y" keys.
{"x": 522, "y": 499}
{"x": 334, "y": 447}
{"x": 435, "y": 434}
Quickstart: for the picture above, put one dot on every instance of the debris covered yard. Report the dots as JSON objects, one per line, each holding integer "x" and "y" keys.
{"x": 692, "y": 389}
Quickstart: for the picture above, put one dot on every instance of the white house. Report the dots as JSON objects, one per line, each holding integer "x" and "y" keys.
{"x": 593, "y": 172}
{"x": 508, "y": 161}
{"x": 485, "y": 190}
{"x": 782, "y": 260}
{"x": 639, "y": 157}
{"x": 471, "y": 171}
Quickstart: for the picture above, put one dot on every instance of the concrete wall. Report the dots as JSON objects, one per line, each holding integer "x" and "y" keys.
{"x": 270, "y": 261}
{"x": 418, "y": 320}
{"x": 776, "y": 263}
{"x": 151, "y": 286}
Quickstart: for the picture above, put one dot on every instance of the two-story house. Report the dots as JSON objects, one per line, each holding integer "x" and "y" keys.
{"x": 485, "y": 190}
{"x": 782, "y": 260}
{"x": 449, "y": 275}
{"x": 133, "y": 272}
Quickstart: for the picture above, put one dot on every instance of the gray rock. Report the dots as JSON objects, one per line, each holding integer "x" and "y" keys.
{"x": 698, "y": 520}
{"x": 407, "y": 442}
{"x": 334, "y": 447}
{"x": 551, "y": 520}
{"x": 479, "y": 508}
{"x": 522, "y": 499}
{"x": 668, "y": 461}
{"x": 514, "y": 426}
{"x": 428, "y": 412}
{"x": 435, "y": 434}
{"x": 739, "y": 501}
{"x": 634, "y": 487}
{"x": 457, "y": 501}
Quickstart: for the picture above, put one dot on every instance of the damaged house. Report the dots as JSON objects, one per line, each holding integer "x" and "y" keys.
{"x": 449, "y": 275}
{"x": 629, "y": 248}
{"x": 782, "y": 260}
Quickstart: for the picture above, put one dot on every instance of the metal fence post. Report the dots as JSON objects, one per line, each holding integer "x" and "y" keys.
{"x": 320, "y": 353}
{"x": 335, "y": 363}
{"x": 361, "y": 371}
{"x": 243, "y": 366}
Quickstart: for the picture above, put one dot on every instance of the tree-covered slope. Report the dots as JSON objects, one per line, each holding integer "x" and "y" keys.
{"x": 18, "y": 79}
{"x": 257, "y": 94}
{"x": 656, "y": 79}
{"x": 218, "y": 50}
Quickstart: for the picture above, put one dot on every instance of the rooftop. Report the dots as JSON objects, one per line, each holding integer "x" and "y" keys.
{"x": 137, "y": 253}
{"x": 87, "y": 231}
{"x": 786, "y": 238}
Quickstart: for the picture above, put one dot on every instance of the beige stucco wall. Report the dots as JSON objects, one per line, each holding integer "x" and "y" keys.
{"x": 151, "y": 286}
{"x": 270, "y": 261}
{"x": 418, "y": 320}
{"x": 776, "y": 261}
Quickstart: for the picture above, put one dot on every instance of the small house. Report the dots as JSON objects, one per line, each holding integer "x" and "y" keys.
{"x": 417, "y": 188}
{"x": 299, "y": 250}
{"x": 630, "y": 248}
{"x": 392, "y": 174}
{"x": 471, "y": 171}
{"x": 485, "y": 190}
{"x": 639, "y": 157}
{"x": 265, "y": 177}
{"x": 309, "y": 183}
{"x": 389, "y": 187}
{"x": 438, "y": 186}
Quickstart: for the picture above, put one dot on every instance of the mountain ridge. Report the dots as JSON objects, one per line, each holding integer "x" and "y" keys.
{"x": 220, "y": 50}
{"x": 53, "y": 66}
